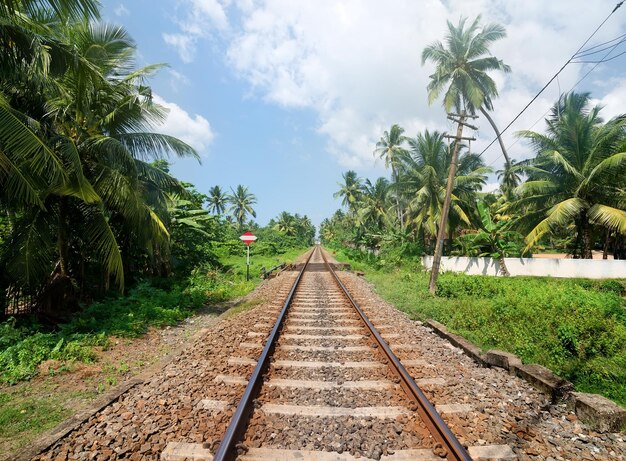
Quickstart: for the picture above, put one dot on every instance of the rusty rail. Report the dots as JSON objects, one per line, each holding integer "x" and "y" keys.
{"x": 432, "y": 419}
{"x": 226, "y": 450}
{"x": 437, "y": 427}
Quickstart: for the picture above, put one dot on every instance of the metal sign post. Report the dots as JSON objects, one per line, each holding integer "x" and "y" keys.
{"x": 248, "y": 238}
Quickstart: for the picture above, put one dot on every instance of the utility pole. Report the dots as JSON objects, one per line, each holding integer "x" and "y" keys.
{"x": 454, "y": 163}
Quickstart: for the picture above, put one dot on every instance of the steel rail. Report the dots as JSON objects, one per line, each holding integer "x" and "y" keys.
{"x": 226, "y": 450}
{"x": 432, "y": 419}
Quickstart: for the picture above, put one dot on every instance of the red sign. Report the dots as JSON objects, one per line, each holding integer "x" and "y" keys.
{"x": 248, "y": 238}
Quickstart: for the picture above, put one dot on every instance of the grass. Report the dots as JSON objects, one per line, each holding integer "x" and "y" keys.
{"x": 575, "y": 327}
{"x": 25, "y": 413}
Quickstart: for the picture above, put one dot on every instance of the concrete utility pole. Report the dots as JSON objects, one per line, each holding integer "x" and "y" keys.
{"x": 454, "y": 163}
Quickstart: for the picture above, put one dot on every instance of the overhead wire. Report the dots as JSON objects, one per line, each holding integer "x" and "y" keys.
{"x": 588, "y": 50}
{"x": 617, "y": 6}
{"x": 597, "y": 63}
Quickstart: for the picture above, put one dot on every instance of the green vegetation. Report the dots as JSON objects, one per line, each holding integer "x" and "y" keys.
{"x": 575, "y": 327}
{"x": 22, "y": 413}
{"x": 569, "y": 197}
{"x": 24, "y": 346}
{"x": 97, "y": 238}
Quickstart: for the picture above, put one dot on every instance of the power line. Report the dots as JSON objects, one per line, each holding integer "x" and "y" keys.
{"x": 601, "y": 60}
{"x": 553, "y": 77}
{"x": 588, "y": 51}
{"x": 597, "y": 63}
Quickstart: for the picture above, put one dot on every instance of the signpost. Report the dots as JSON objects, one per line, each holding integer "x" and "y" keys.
{"x": 248, "y": 238}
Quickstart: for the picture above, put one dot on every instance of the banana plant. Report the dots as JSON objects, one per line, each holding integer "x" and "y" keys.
{"x": 493, "y": 239}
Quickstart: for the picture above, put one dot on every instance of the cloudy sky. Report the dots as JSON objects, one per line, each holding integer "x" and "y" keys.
{"x": 283, "y": 96}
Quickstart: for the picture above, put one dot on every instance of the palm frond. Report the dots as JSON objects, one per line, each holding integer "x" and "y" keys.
{"x": 609, "y": 217}
{"x": 154, "y": 145}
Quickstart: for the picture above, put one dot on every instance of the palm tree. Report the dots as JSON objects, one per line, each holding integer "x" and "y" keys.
{"x": 461, "y": 70}
{"x": 30, "y": 56}
{"x": 509, "y": 179}
{"x": 576, "y": 179}
{"x": 287, "y": 224}
{"x": 107, "y": 195}
{"x": 425, "y": 173}
{"x": 350, "y": 191}
{"x": 241, "y": 204}
{"x": 390, "y": 147}
{"x": 373, "y": 212}
{"x": 218, "y": 200}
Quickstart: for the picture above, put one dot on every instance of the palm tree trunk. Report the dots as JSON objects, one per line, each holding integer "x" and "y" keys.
{"x": 495, "y": 129}
{"x": 503, "y": 269}
{"x": 399, "y": 208}
{"x": 607, "y": 241}
{"x": 62, "y": 239}
{"x": 585, "y": 237}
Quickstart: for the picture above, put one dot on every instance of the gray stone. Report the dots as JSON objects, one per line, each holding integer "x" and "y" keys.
{"x": 544, "y": 380}
{"x": 470, "y": 349}
{"x": 502, "y": 359}
{"x": 599, "y": 413}
{"x": 492, "y": 453}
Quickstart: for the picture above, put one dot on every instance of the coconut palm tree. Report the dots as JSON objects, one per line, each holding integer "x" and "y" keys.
{"x": 461, "y": 71}
{"x": 241, "y": 204}
{"x": 373, "y": 212}
{"x": 576, "y": 179}
{"x": 391, "y": 148}
{"x": 31, "y": 56}
{"x": 287, "y": 224}
{"x": 351, "y": 190}
{"x": 425, "y": 173}
{"x": 218, "y": 200}
{"x": 107, "y": 196}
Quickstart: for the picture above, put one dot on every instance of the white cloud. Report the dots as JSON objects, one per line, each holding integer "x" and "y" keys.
{"x": 614, "y": 103}
{"x": 194, "y": 130}
{"x": 185, "y": 45}
{"x": 201, "y": 19}
{"x": 121, "y": 10}
{"x": 357, "y": 63}
{"x": 177, "y": 80}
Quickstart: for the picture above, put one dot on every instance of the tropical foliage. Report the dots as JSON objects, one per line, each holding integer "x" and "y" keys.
{"x": 571, "y": 195}
{"x": 576, "y": 181}
{"x": 88, "y": 204}
{"x": 421, "y": 169}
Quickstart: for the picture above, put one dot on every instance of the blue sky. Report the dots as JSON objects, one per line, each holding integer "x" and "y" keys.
{"x": 283, "y": 96}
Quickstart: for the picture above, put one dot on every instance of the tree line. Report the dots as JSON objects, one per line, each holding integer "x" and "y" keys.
{"x": 87, "y": 201}
{"x": 571, "y": 195}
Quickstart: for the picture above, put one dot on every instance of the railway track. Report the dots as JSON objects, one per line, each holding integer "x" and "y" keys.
{"x": 327, "y": 382}
{"x": 328, "y": 392}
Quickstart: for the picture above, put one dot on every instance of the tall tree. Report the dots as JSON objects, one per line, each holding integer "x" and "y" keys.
{"x": 425, "y": 172}
{"x": 461, "y": 70}
{"x": 218, "y": 200}
{"x": 577, "y": 176}
{"x": 373, "y": 212}
{"x": 241, "y": 202}
{"x": 287, "y": 224}
{"x": 350, "y": 190}
{"x": 391, "y": 148}
{"x": 91, "y": 119}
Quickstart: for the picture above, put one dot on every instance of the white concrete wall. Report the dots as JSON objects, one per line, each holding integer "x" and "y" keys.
{"x": 567, "y": 268}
